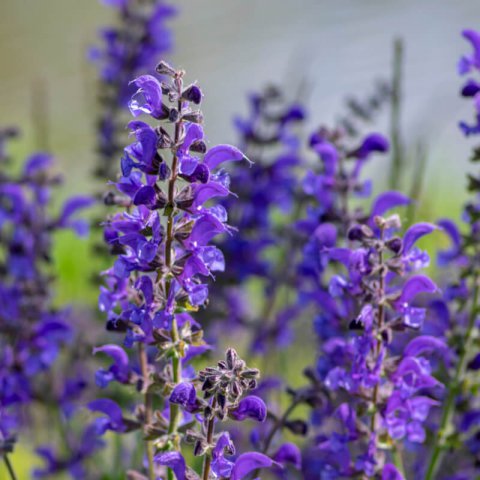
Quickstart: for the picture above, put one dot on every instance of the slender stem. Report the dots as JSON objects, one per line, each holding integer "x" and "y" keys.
{"x": 210, "y": 429}
{"x": 176, "y": 363}
{"x": 449, "y": 404}
{"x": 421, "y": 158}
{"x": 398, "y": 460}
{"x": 148, "y": 409}
{"x": 9, "y": 466}
{"x": 381, "y": 315}
{"x": 177, "y": 377}
{"x": 279, "y": 424}
{"x": 397, "y": 154}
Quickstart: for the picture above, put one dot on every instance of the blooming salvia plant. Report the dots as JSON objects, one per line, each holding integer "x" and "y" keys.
{"x": 363, "y": 404}
{"x": 159, "y": 278}
{"x": 33, "y": 331}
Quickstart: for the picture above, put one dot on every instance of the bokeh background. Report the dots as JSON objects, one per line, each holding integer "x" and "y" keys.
{"x": 233, "y": 47}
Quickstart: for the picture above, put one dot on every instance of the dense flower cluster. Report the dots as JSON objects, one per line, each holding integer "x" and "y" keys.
{"x": 32, "y": 330}
{"x": 164, "y": 256}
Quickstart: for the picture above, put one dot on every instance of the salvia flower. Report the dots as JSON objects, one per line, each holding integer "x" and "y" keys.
{"x": 165, "y": 258}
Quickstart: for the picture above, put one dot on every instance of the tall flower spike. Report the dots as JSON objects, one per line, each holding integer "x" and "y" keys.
{"x": 165, "y": 255}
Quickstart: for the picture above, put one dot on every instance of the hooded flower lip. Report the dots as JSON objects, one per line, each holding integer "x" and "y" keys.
{"x": 250, "y": 407}
{"x": 173, "y": 460}
{"x": 467, "y": 63}
{"x": 120, "y": 369}
{"x": 148, "y": 98}
{"x": 113, "y": 419}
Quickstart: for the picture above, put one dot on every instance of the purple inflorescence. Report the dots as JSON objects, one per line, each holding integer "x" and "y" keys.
{"x": 33, "y": 331}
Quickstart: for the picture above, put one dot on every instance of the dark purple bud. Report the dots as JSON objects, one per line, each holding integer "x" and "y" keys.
{"x": 192, "y": 94}
{"x": 163, "y": 68}
{"x": 194, "y": 117}
{"x": 173, "y": 115}
{"x": 356, "y": 324}
{"x": 474, "y": 364}
{"x": 470, "y": 89}
{"x": 394, "y": 244}
{"x": 199, "y": 146}
{"x": 359, "y": 232}
{"x": 297, "y": 427}
{"x": 231, "y": 358}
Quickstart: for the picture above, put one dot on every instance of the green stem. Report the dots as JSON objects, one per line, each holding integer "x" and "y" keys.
{"x": 449, "y": 404}
{"x": 395, "y": 136}
{"x": 279, "y": 424}
{"x": 148, "y": 409}
{"x": 9, "y": 466}
{"x": 398, "y": 460}
{"x": 176, "y": 363}
{"x": 210, "y": 429}
{"x": 177, "y": 377}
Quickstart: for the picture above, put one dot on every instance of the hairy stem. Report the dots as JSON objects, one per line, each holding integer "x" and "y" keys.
{"x": 381, "y": 315}
{"x": 448, "y": 407}
{"x": 9, "y": 466}
{"x": 210, "y": 429}
{"x": 176, "y": 363}
{"x": 148, "y": 409}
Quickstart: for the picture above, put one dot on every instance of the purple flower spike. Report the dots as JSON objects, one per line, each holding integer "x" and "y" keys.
{"x": 173, "y": 460}
{"x": 250, "y": 407}
{"x": 248, "y": 462}
{"x": 151, "y": 90}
